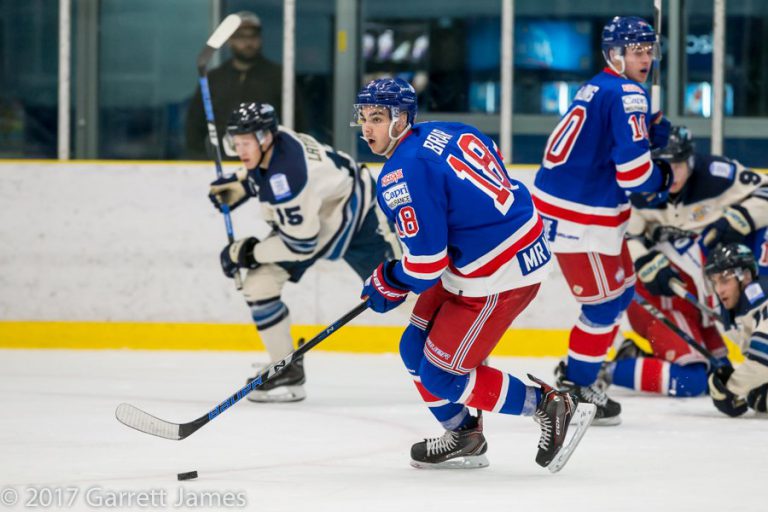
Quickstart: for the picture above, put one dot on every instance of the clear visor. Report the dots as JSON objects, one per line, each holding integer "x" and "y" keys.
{"x": 725, "y": 275}
{"x": 372, "y": 113}
{"x": 639, "y": 48}
{"x": 229, "y": 142}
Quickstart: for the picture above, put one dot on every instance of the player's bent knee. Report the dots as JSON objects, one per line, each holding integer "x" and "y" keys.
{"x": 626, "y": 298}
{"x": 266, "y": 313}
{"x": 441, "y": 383}
{"x": 689, "y": 380}
{"x": 412, "y": 348}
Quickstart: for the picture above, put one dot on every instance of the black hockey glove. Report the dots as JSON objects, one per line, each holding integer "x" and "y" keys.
{"x": 725, "y": 401}
{"x": 667, "y": 176}
{"x": 732, "y": 227}
{"x": 654, "y": 271}
{"x": 237, "y": 255}
{"x": 758, "y": 398}
{"x": 232, "y": 191}
{"x": 661, "y": 234}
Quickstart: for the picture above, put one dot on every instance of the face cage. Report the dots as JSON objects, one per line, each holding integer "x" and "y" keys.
{"x": 229, "y": 141}
{"x": 357, "y": 111}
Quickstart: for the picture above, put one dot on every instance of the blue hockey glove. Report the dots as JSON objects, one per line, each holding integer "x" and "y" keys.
{"x": 732, "y": 227}
{"x": 232, "y": 191}
{"x": 654, "y": 271}
{"x": 725, "y": 401}
{"x": 660, "y": 129}
{"x": 237, "y": 255}
{"x": 758, "y": 398}
{"x": 382, "y": 294}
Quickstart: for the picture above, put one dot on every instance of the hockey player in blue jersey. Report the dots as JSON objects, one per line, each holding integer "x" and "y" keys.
{"x": 474, "y": 249}
{"x": 599, "y": 151}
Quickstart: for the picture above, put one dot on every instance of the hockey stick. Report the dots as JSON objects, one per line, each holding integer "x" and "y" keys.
{"x": 683, "y": 293}
{"x": 656, "y": 77}
{"x": 135, "y": 418}
{"x": 223, "y": 32}
{"x": 653, "y": 310}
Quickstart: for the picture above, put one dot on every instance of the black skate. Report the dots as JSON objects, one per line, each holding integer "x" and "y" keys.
{"x": 629, "y": 350}
{"x": 463, "y": 449}
{"x": 608, "y": 411}
{"x": 558, "y": 413}
{"x": 286, "y": 386}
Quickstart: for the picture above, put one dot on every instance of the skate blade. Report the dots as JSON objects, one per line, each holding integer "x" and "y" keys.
{"x": 283, "y": 394}
{"x": 578, "y": 426}
{"x": 607, "y": 422}
{"x": 470, "y": 462}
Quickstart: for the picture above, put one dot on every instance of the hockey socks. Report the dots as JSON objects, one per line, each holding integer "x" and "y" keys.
{"x": 587, "y": 347}
{"x": 657, "y": 376}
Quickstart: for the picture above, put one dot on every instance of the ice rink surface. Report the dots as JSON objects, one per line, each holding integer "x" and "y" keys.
{"x": 346, "y": 448}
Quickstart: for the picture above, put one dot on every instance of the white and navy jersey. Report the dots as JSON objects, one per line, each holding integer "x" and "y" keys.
{"x": 750, "y": 318}
{"x": 459, "y": 215}
{"x": 714, "y": 184}
{"x": 597, "y": 153}
{"x": 315, "y": 199}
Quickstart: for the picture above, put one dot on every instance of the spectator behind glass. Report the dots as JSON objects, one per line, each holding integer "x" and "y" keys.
{"x": 247, "y": 76}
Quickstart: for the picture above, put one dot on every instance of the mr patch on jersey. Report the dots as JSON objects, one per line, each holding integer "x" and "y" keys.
{"x": 280, "y": 187}
{"x": 397, "y": 195}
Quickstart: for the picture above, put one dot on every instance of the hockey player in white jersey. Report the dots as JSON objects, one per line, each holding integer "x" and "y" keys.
{"x": 743, "y": 294}
{"x": 319, "y": 203}
{"x": 712, "y": 199}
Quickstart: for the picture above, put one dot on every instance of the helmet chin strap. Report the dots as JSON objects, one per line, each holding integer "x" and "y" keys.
{"x": 392, "y": 139}
{"x": 263, "y": 151}
{"x": 623, "y": 65}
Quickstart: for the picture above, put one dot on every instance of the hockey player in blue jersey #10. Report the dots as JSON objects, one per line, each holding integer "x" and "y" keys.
{"x": 599, "y": 151}
{"x": 474, "y": 249}
{"x": 319, "y": 204}
{"x": 743, "y": 294}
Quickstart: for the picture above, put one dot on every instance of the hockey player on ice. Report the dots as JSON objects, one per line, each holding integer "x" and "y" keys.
{"x": 474, "y": 249}
{"x": 743, "y": 294}
{"x": 599, "y": 151}
{"x": 711, "y": 196}
{"x": 319, "y": 203}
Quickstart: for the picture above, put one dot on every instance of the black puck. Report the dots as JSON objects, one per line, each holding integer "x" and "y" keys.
{"x": 187, "y": 476}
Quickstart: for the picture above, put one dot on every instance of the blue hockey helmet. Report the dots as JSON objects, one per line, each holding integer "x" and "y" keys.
{"x": 623, "y": 31}
{"x": 395, "y": 93}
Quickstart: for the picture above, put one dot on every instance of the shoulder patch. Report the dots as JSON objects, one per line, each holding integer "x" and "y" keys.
{"x": 632, "y": 88}
{"x": 721, "y": 170}
{"x": 635, "y": 103}
{"x": 279, "y": 184}
{"x": 586, "y": 93}
{"x": 391, "y": 177}
{"x": 396, "y": 195}
{"x": 754, "y": 292}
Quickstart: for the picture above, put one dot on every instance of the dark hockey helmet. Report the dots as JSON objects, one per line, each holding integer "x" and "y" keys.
{"x": 730, "y": 257}
{"x": 679, "y": 148}
{"x": 623, "y": 31}
{"x": 253, "y": 117}
{"x": 394, "y": 93}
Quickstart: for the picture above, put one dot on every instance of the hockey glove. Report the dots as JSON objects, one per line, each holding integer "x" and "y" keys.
{"x": 232, "y": 191}
{"x": 660, "y": 128}
{"x": 382, "y": 290}
{"x": 654, "y": 271}
{"x": 237, "y": 255}
{"x": 660, "y": 234}
{"x": 725, "y": 401}
{"x": 758, "y": 398}
{"x": 667, "y": 176}
{"x": 732, "y": 227}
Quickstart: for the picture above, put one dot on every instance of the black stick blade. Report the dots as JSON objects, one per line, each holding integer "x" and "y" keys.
{"x": 136, "y": 418}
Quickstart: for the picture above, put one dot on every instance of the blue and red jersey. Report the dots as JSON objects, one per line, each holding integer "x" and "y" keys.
{"x": 598, "y": 152}
{"x": 460, "y": 217}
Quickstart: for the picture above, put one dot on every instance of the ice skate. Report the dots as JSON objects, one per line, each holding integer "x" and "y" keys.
{"x": 608, "y": 411}
{"x": 463, "y": 449}
{"x": 287, "y": 386}
{"x": 558, "y": 415}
